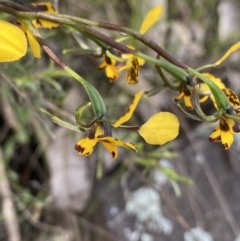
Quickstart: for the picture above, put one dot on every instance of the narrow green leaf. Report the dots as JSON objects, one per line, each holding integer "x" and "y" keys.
{"x": 173, "y": 175}
{"x": 60, "y": 122}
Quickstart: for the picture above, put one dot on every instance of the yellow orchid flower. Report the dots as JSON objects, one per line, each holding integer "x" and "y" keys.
{"x": 224, "y": 133}
{"x": 13, "y": 42}
{"x": 128, "y": 61}
{"x": 132, "y": 65}
{"x": 39, "y": 23}
{"x": 110, "y": 67}
{"x": 158, "y": 130}
{"x": 185, "y": 93}
{"x": 99, "y": 133}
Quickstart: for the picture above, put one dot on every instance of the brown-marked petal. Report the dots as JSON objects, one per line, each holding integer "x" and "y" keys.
{"x": 111, "y": 148}
{"x": 118, "y": 142}
{"x": 85, "y": 146}
{"x": 233, "y": 99}
{"x": 42, "y": 23}
{"x": 132, "y": 71}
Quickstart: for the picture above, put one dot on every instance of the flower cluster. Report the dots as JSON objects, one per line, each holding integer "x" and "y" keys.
{"x": 158, "y": 130}
{"x": 228, "y": 115}
{"x": 194, "y": 86}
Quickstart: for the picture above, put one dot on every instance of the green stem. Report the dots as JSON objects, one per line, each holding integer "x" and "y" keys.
{"x": 61, "y": 18}
{"x": 175, "y": 71}
{"x": 233, "y": 117}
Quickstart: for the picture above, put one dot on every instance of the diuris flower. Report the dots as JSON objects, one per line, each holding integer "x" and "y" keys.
{"x": 132, "y": 62}
{"x": 185, "y": 92}
{"x": 224, "y": 133}
{"x": 158, "y": 130}
{"x": 132, "y": 65}
{"x": 101, "y": 133}
{"x": 110, "y": 67}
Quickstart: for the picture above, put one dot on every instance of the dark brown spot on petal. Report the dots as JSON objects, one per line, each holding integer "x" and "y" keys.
{"x": 189, "y": 107}
{"x": 78, "y": 148}
{"x": 92, "y": 132}
{"x": 38, "y": 22}
{"x": 224, "y": 125}
{"x": 106, "y": 141}
{"x": 108, "y": 60}
{"x": 132, "y": 73}
{"x": 186, "y": 91}
{"x": 232, "y": 98}
{"x": 113, "y": 154}
{"x": 225, "y": 146}
{"x": 217, "y": 139}
{"x": 107, "y": 128}
{"x": 112, "y": 79}
{"x": 53, "y": 9}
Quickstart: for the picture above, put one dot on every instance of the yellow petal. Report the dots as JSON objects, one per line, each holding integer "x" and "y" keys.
{"x": 129, "y": 56}
{"x": 130, "y": 111}
{"x": 34, "y": 45}
{"x": 85, "y": 146}
{"x": 111, "y": 72}
{"x": 102, "y": 65}
{"x": 232, "y": 49}
{"x": 116, "y": 142}
{"x": 13, "y": 42}
{"x": 32, "y": 41}
{"x": 160, "y": 128}
{"x": 187, "y": 102}
{"x": 216, "y": 135}
{"x": 132, "y": 71}
{"x": 227, "y": 137}
{"x": 152, "y": 17}
{"x": 180, "y": 96}
{"x": 140, "y": 61}
{"x": 186, "y": 95}
{"x": 111, "y": 148}
{"x": 42, "y": 23}
{"x": 233, "y": 99}
{"x": 110, "y": 67}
